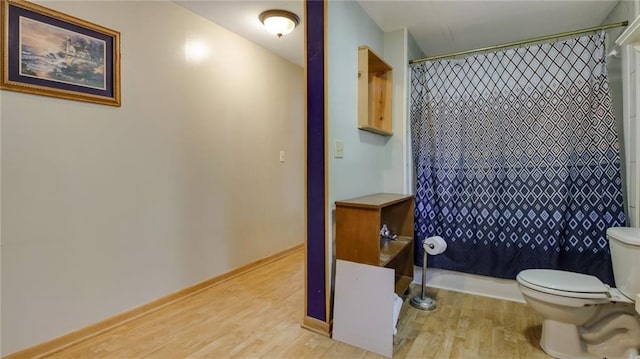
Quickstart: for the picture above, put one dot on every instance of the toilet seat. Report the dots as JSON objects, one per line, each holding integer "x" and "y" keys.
{"x": 562, "y": 283}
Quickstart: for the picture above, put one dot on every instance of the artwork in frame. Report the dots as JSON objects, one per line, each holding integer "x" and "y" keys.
{"x": 49, "y": 53}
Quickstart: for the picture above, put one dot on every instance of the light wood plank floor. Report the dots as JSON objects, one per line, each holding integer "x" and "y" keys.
{"x": 258, "y": 315}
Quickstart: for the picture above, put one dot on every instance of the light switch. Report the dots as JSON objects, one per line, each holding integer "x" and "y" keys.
{"x": 281, "y": 156}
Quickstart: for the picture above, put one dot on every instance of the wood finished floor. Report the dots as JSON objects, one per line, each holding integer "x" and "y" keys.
{"x": 258, "y": 315}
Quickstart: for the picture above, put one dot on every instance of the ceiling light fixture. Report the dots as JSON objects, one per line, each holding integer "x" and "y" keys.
{"x": 279, "y": 22}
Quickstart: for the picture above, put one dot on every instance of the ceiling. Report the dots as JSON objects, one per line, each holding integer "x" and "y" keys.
{"x": 437, "y": 26}
{"x": 241, "y": 17}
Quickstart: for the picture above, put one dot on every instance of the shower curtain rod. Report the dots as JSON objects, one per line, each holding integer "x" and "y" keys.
{"x": 521, "y": 42}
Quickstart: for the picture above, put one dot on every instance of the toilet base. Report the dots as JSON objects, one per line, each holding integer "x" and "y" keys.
{"x": 562, "y": 341}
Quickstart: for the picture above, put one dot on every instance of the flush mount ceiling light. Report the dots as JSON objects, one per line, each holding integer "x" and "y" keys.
{"x": 279, "y": 22}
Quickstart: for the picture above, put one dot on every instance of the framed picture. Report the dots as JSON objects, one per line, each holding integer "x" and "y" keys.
{"x": 48, "y": 53}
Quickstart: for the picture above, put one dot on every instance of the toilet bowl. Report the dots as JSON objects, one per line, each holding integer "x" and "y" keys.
{"x": 573, "y": 320}
{"x": 583, "y": 317}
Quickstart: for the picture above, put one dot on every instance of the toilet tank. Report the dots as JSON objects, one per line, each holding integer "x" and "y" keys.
{"x": 624, "y": 243}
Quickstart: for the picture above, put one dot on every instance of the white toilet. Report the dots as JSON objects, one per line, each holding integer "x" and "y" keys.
{"x": 583, "y": 317}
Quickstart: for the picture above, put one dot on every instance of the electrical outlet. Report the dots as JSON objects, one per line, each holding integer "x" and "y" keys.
{"x": 281, "y": 156}
{"x": 339, "y": 150}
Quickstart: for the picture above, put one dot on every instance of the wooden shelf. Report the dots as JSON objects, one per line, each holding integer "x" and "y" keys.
{"x": 358, "y": 224}
{"x": 377, "y": 200}
{"x": 375, "y": 88}
{"x": 393, "y": 248}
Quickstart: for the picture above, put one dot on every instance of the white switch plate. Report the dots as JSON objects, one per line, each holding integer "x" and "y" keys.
{"x": 281, "y": 156}
{"x": 339, "y": 149}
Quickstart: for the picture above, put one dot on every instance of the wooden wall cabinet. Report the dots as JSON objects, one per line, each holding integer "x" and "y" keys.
{"x": 375, "y": 87}
{"x": 358, "y": 224}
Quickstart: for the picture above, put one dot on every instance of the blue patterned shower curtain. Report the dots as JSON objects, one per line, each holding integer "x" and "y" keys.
{"x": 517, "y": 159}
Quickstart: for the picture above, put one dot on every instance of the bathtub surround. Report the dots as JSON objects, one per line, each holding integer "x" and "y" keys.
{"x": 482, "y": 285}
{"x": 621, "y": 12}
{"x": 631, "y": 101}
{"x": 516, "y": 155}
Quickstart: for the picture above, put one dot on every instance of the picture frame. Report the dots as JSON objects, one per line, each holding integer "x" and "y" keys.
{"x": 46, "y": 52}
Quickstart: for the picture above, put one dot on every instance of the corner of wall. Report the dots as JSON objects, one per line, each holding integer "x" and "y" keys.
{"x": 395, "y": 172}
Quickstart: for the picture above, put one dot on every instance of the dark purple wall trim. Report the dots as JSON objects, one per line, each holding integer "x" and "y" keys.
{"x": 316, "y": 256}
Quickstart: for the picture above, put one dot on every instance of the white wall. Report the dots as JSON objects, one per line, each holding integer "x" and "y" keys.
{"x": 105, "y": 209}
{"x": 372, "y": 163}
{"x": 631, "y": 99}
{"x": 360, "y": 172}
{"x": 397, "y": 155}
{"x": 413, "y": 53}
{"x": 413, "y": 50}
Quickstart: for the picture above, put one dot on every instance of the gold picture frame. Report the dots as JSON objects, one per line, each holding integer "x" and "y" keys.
{"x": 46, "y": 52}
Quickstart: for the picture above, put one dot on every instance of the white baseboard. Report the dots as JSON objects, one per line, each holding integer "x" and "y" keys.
{"x": 506, "y": 289}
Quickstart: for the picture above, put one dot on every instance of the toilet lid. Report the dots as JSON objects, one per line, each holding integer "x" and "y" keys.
{"x": 555, "y": 281}
{"x": 626, "y": 235}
